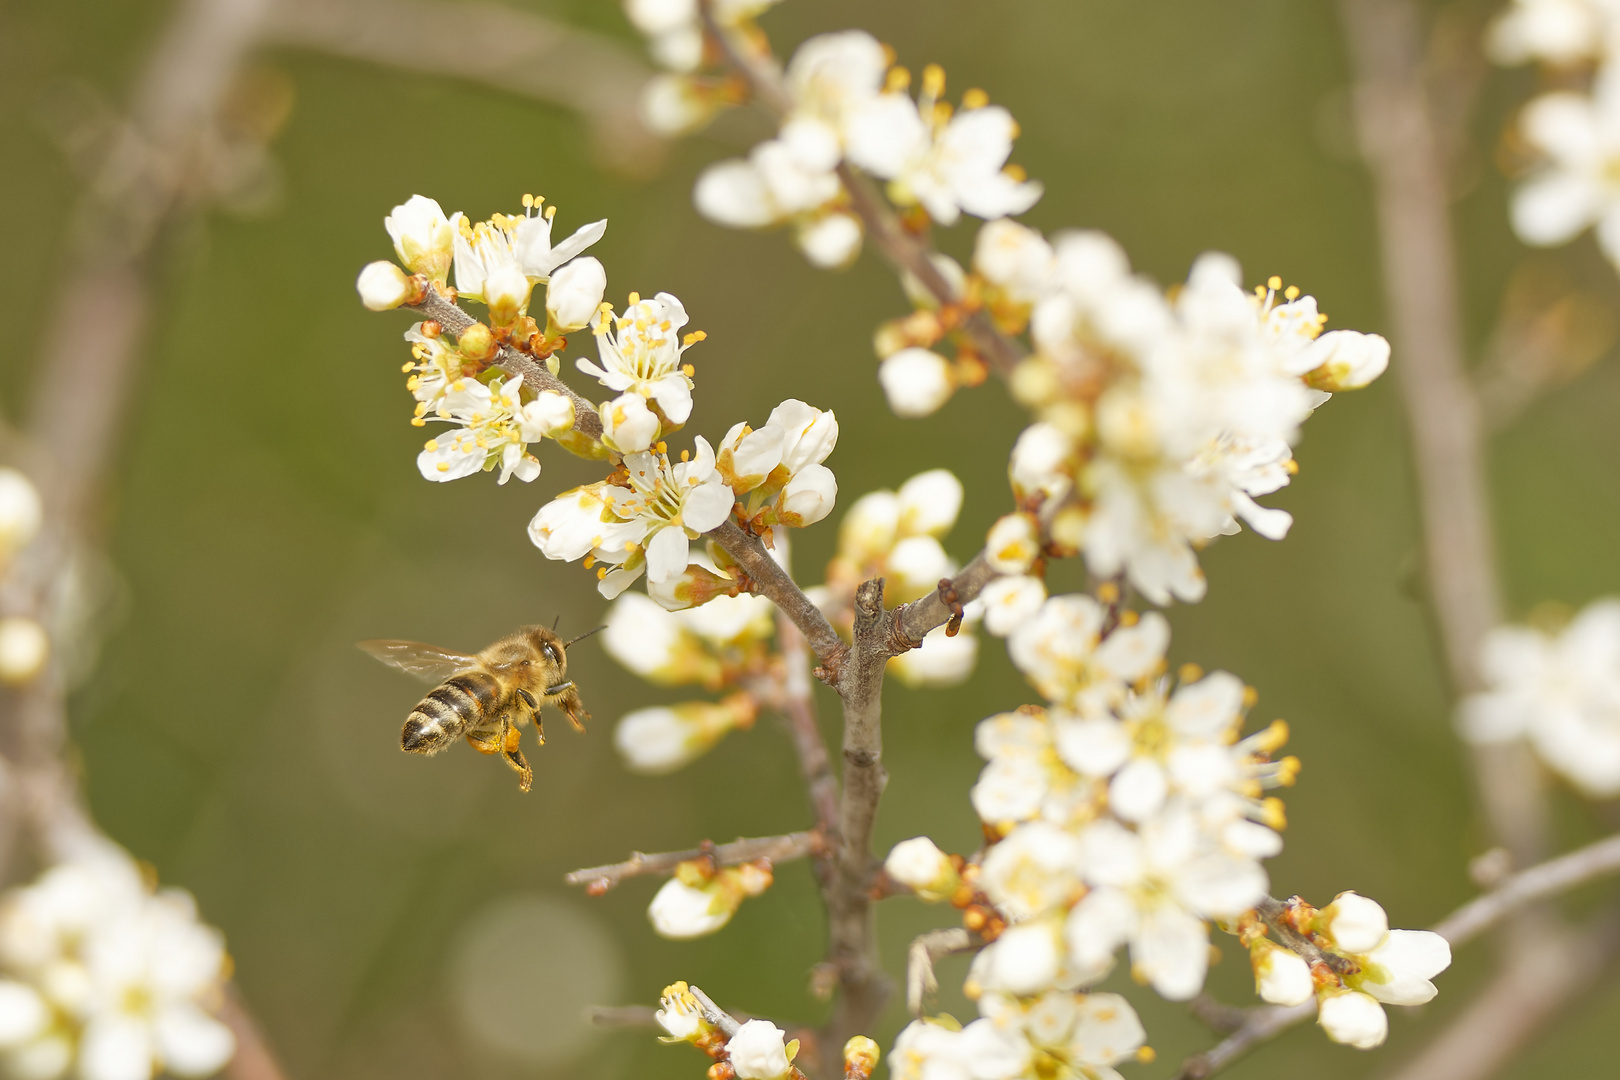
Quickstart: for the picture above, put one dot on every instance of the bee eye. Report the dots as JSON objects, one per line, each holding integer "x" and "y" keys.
{"x": 551, "y": 653}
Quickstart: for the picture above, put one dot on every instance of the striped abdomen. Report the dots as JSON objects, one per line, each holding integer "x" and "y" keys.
{"x": 459, "y": 703}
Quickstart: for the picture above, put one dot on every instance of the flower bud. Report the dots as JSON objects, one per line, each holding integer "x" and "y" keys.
{"x": 661, "y": 739}
{"x": 423, "y": 237}
{"x": 682, "y": 1015}
{"x": 675, "y": 105}
{"x": 628, "y": 425}
{"x": 506, "y": 292}
{"x": 869, "y": 527}
{"x": 734, "y": 194}
{"x": 575, "y": 293}
{"x": 696, "y": 588}
{"x": 1352, "y": 1018}
{"x": 1041, "y": 460}
{"x": 383, "y": 286}
{"x": 1009, "y": 602}
{"x": 860, "y": 1058}
{"x": 1355, "y": 923}
{"x": 20, "y": 511}
{"x": 758, "y": 1051}
{"x": 680, "y": 911}
{"x": 24, "y": 648}
{"x": 1015, "y": 257}
{"x": 1281, "y": 977}
{"x": 808, "y": 434}
{"x": 916, "y": 382}
{"x": 1013, "y": 544}
{"x": 926, "y": 870}
{"x": 1346, "y": 360}
{"x": 929, "y": 503}
{"x": 24, "y": 1016}
{"x": 808, "y": 498}
{"x": 477, "y": 343}
{"x": 747, "y": 458}
{"x": 550, "y": 413}
{"x": 831, "y": 241}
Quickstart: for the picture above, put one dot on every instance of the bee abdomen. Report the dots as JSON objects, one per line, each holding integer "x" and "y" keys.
{"x": 461, "y": 702}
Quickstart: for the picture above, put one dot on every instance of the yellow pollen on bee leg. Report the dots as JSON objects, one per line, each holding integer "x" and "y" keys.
{"x": 1274, "y": 282}
{"x": 1291, "y": 293}
{"x": 975, "y": 99}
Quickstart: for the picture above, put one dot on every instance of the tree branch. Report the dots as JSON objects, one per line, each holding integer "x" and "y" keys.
{"x": 535, "y": 375}
{"x": 1408, "y": 167}
{"x": 800, "y": 709}
{"x": 771, "y": 580}
{"x": 1262, "y": 1025}
{"x": 493, "y": 44}
{"x": 1550, "y": 878}
{"x": 714, "y": 1014}
{"x": 778, "y": 849}
{"x": 912, "y": 622}
{"x": 926, "y": 951}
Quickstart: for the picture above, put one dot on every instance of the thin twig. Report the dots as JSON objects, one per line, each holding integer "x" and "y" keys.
{"x": 799, "y": 706}
{"x": 926, "y": 951}
{"x": 912, "y": 622}
{"x": 494, "y": 44}
{"x": 1550, "y": 878}
{"x": 535, "y": 375}
{"x": 1217, "y": 1015}
{"x": 1263, "y": 1024}
{"x": 771, "y": 580}
{"x": 1274, "y": 913}
{"x": 623, "y": 1016}
{"x": 785, "y": 848}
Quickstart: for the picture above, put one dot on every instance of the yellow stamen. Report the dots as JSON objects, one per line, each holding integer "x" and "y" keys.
{"x": 1292, "y": 292}
{"x": 933, "y": 80}
{"x": 635, "y": 298}
{"x": 1250, "y": 696}
{"x": 444, "y": 466}
{"x": 688, "y": 370}
{"x": 1191, "y": 673}
{"x": 694, "y": 337}
{"x": 1274, "y": 282}
{"x": 897, "y": 80}
{"x": 975, "y": 99}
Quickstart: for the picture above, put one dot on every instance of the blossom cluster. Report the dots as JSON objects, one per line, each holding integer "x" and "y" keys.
{"x": 845, "y": 105}
{"x": 1159, "y": 419}
{"x": 644, "y": 515}
{"x": 1573, "y": 134}
{"x": 1559, "y": 690}
{"x": 103, "y": 978}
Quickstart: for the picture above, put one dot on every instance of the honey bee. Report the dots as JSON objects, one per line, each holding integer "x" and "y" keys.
{"x": 486, "y": 697}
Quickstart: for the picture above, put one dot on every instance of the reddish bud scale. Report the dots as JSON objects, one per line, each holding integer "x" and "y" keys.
{"x": 722, "y": 1070}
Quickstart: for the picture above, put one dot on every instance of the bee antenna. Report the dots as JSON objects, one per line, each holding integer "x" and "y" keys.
{"x": 583, "y": 636}
{"x": 555, "y": 621}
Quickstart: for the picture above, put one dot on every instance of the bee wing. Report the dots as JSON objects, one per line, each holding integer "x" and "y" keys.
{"x": 427, "y": 662}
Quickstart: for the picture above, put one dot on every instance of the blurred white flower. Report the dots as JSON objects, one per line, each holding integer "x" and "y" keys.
{"x": 940, "y": 660}
{"x": 920, "y": 865}
{"x": 916, "y": 382}
{"x": 662, "y": 739}
{"x": 20, "y": 511}
{"x": 758, "y": 1051}
{"x": 1553, "y": 31}
{"x": 24, "y": 648}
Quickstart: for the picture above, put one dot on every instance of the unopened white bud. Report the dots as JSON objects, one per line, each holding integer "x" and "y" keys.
{"x": 20, "y": 510}
{"x": 423, "y": 237}
{"x": 24, "y": 648}
{"x": 733, "y": 194}
{"x": 808, "y": 497}
{"x": 674, "y": 105}
{"x": 506, "y": 292}
{"x": 1009, "y": 602}
{"x": 929, "y": 503}
{"x": 23, "y": 1014}
{"x": 1355, "y": 923}
{"x": 920, "y": 865}
{"x": 1346, "y": 360}
{"x": 383, "y": 286}
{"x": 661, "y": 739}
{"x": 1281, "y": 977}
{"x": 758, "y": 1051}
{"x": 549, "y": 414}
{"x": 831, "y": 241}
{"x": 916, "y": 382}
{"x": 808, "y": 433}
{"x": 1013, "y": 544}
{"x": 680, "y": 911}
{"x": 575, "y": 293}
{"x": 628, "y": 425}
{"x": 1353, "y": 1018}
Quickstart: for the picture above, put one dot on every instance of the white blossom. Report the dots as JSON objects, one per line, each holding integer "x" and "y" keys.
{"x": 680, "y": 911}
{"x": 920, "y": 865}
{"x": 20, "y": 510}
{"x": 917, "y": 382}
{"x": 1353, "y": 1018}
{"x": 1560, "y": 692}
{"x": 641, "y": 352}
{"x": 628, "y": 426}
{"x": 505, "y": 247}
{"x": 423, "y": 237}
{"x": 758, "y": 1051}
{"x": 575, "y": 292}
{"x": 929, "y": 503}
{"x": 1578, "y": 136}
{"x": 662, "y": 739}
{"x": 1554, "y": 31}
{"x": 383, "y": 286}
{"x": 681, "y": 1014}
{"x": 1012, "y": 544}
{"x": 492, "y": 430}
{"x": 1015, "y": 258}
{"x": 1009, "y": 602}
{"x": 1281, "y": 977}
{"x": 830, "y": 240}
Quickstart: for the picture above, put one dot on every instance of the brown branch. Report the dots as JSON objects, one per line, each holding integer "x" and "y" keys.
{"x": 535, "y": 374}
{"x": 1274, "y": 913}
{"x": 771, "y": 580}
{"x": 1407, "y": 162}
{"x": 852, "y": 935}
{"x": 599, "y": 879}
{"x": 1263, "y": 1024}
{"x": 493, "y": 44}
{"x": 912, "y": 622}
{"x": 904, "y": 250}
{"x": 799, "y": 706}
{"x": 926, "y": 951}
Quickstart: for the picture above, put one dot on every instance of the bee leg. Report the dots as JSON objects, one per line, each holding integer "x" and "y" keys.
{"x": 528, "y": 698}
{"x": 568, "y": 701}
{"x": 512, "y": 751}
{"x": 485, "y": 742}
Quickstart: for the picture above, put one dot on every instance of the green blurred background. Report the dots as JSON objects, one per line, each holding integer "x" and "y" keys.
{"x": 397, "y": 917}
